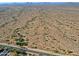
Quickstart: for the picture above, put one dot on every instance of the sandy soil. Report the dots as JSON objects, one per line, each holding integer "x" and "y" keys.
{"x": 52, "y": 28}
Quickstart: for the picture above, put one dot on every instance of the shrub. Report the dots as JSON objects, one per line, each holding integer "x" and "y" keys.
{"x": 21, "y": 42}
{"x": 70, "y": 51}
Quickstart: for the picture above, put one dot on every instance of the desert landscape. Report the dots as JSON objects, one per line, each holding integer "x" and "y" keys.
{"x": 49, "y": 28}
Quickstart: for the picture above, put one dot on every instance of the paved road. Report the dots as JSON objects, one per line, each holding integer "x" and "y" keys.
{"x": 38, "y": 51}
{"x": 5, "y": 52}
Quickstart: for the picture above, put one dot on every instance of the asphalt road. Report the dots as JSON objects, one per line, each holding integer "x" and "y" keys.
{"x": 5, "y": 52}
